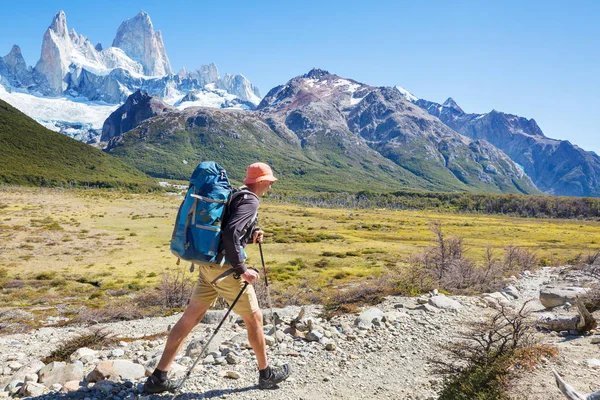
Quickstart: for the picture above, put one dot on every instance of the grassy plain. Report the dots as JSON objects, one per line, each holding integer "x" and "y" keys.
{"x": 70, "y": 246}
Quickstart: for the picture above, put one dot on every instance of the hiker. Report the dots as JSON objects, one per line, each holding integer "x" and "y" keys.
{"x": 239, "y": 228}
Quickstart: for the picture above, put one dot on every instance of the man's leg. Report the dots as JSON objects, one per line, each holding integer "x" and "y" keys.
{"x": 268, "y": 377}
{"x": 191, "y": 317}
{"x": 158, "y": 382}
{"x": 256, "y": 337}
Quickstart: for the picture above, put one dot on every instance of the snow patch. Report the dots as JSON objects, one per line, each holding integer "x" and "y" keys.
{"x": 408, "y": 95}
{"x": 70, "y": 116}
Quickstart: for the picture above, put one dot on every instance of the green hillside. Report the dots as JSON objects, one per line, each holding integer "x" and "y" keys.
{"x": 171, "y": 145}
{"x": 33, "y": 155}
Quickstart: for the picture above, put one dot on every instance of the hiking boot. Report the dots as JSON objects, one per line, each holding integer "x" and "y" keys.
{"x": 155, "y": 385}
{"x": 278, "y": 374}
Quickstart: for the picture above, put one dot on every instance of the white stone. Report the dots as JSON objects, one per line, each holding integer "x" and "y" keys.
{"x": 33, "y": 389}
{"x": 117, "y": 353}
{"x": 233, "y": 375}
{"x": 83, "y": 353}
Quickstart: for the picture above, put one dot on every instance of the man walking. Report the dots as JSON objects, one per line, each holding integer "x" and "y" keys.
{"x": 239, "y": 229}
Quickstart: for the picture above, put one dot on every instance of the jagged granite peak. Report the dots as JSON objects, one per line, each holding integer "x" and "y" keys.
{"x": 14, "y": 71}
{"x": 54, "y": 59}
{"x": 183, "y": 72}
{"x": 450, "y": 103}
{"x": 240, "y": 86}
{"x": 210, "y": 72}
{"x": 137, "y": 38}
{"x": 98, "y": 46}
{"x": 15, "y": 59}
{"x": 59, "y": 24}
{"x": 556, "y": 167}
{"x": 138, "y": 107}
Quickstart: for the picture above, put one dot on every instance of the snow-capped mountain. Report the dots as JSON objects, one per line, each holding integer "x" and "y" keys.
{"x": 137, "y": 38}
{"x": 73, "y": 73}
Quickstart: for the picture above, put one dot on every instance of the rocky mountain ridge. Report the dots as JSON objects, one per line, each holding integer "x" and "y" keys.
{"x": 320, "y": 107}
{"x": 323, "y": 119}
{"x": 556, "y": 167}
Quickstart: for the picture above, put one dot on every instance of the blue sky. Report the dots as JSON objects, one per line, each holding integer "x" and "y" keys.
{"x": 536, "y": 59}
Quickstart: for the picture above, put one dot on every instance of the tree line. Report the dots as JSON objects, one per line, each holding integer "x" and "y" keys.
{"x": 485, "y": 203}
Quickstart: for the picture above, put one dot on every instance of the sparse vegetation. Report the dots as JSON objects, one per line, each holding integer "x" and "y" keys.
{"x": 96, "y": 339}
{"x": 83, "y": 266}
{"x": 480, "y": 363}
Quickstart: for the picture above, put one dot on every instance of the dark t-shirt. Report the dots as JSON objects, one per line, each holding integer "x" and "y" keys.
{"x": 239, "y": 224}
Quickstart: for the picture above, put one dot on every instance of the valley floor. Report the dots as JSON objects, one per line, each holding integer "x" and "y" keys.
{"x": 387, "y": 362}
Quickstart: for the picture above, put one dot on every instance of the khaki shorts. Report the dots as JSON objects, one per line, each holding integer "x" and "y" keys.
{"x": 228, "y": 288}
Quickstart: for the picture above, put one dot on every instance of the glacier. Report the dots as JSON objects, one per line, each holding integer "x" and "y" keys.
{"x": 75, "y": 85}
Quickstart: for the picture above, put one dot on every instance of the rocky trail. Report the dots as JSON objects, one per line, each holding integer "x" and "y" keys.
{"x": 384, "y": 353}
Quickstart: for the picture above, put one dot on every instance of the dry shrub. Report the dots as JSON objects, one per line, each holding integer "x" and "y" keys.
{"x": 445, "y": 265}
{"x": 351, "y": 299}
{"x": 517, "y": 259}
{"x": 96, "y": 339}
{"x": 176, "y": 288}
{"x": 120, "y": 310}
{"x": 480, "y": 364}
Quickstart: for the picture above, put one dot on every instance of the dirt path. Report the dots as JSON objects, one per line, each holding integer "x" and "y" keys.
{"x": 390, "y": 361}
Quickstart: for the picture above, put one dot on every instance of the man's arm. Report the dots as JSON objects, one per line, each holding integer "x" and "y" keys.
{"x": 241, "y": 216}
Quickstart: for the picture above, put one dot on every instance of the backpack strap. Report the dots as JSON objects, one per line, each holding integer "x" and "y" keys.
{"x": 243, "y": 190}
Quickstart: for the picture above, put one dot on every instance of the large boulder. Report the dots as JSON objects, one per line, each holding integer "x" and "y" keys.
{"x": 445, "y": 303}
{"x": 365, "y": 319}
{"x": 59, "y": 372}
{"x": 554, "y": 296}
{"x": 116, "y": 370}
{"x": 496, "y": 300}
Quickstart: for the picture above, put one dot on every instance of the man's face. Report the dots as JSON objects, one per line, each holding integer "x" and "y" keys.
{"x": 263, "y": 187}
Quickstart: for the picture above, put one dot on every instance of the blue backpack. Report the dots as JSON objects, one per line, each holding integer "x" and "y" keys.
{"x": 197, "y": 233}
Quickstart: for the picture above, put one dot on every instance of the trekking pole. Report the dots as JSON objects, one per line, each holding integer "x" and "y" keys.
{"x": 187, "y": 375}
{"x": 262, "y": 259}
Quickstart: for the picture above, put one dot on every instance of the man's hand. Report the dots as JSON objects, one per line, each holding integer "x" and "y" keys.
{"x": 250, "y": 276}
{"x": 258, "y": 236}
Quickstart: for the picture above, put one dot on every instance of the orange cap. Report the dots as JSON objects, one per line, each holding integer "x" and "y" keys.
{"x": 259, "y": 172}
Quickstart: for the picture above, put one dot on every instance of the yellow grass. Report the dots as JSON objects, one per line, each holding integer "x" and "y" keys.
{"x": 116, "y": 240}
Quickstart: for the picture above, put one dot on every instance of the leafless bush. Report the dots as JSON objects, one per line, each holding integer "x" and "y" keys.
{"x": 176, "y": 288}
{"x": 445, "y": 265}
{"x": 478, "y": 364}
{"x": 121, "y": 310}
{"x": 592, "y": 258}
{"x": 517, "y": 259}
{"x": 486, "y": 341}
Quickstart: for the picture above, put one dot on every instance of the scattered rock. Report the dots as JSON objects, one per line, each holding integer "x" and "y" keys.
{"x": 33, "y": 389}
{"x": 117, "y": 353}
{"x": 59, "y": 372}
{"x": 233, "y": 375}
{"x": 511, "y": 291}
{"x": 118, "y": 369}
{"x": 83, "y": 354}
{"x": 71, "y": 386}
{"x": 365, "y": 319}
